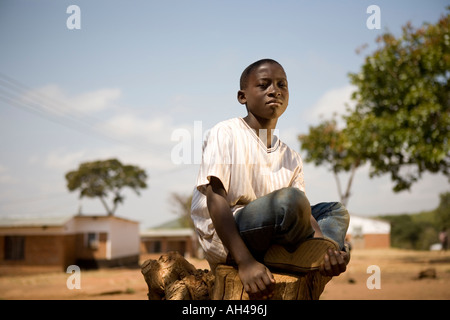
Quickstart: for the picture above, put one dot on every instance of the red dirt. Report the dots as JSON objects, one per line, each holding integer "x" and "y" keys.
{"x": 398, "y": 279}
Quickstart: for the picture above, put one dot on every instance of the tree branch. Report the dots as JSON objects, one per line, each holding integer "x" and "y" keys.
{"x": 349, "y": 184}
{"x": 338, "y": 183}
{"x": 110, "y": 213}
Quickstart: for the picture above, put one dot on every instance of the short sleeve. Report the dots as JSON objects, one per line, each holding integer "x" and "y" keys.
{"x": 216, "y": 158}
{"x": 298, "y": 180}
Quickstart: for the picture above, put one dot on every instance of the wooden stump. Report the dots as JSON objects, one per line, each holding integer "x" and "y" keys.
{"x": 172, "y": 277}
{"x": 307, "y": 286}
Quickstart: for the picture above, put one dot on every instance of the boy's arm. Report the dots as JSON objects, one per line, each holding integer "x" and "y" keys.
{"x": 315, "y": 225}
{"x": 255, "y": 277}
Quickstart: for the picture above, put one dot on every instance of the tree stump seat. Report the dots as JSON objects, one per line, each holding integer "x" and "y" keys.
{"x": 306, "y": 286}
{"x": 172, "y": 277}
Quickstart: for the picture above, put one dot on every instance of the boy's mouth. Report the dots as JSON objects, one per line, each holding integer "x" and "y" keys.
{"x": 274, "y": 102}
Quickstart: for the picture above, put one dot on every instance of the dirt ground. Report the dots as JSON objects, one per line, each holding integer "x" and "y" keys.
{"x": 398, "y": 279}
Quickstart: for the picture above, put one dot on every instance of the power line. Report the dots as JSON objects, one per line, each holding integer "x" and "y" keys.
{"x": 18, "y": 95}
{"x": 33, "y": 199}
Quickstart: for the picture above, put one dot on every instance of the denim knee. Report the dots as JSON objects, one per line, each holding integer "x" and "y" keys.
{"x": 293, "y": 213}
{"x": 333, "y": 219}
{"x": 281, "y": 217}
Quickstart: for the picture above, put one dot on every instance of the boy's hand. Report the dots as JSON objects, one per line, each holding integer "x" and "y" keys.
{"x": 335, "y": 262}
{"x": 257, "y": 280}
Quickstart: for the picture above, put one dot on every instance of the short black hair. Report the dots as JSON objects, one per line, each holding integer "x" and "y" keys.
{"x": 246, "y": 73}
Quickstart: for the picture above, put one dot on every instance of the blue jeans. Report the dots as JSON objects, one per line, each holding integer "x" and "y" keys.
{"x": 283, "y": 217}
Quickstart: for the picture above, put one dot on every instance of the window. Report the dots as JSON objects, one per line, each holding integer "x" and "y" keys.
{"x": 357, "y": 232}
{"x": 14, "y": 247}
{"x": 92, "y": 240}
{"x": 157, "y": 246}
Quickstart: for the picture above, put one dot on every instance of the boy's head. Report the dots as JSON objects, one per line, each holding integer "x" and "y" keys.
{"x": 264, "y": 89}
{"x": 246, "y": 73}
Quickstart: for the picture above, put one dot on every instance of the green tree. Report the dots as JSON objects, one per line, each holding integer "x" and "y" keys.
{"x": 420, "y": 230}
{"x": 401, "y": 121}
{"x": 327, "y": 145}
{"x": 442, "y": 213}
{"x": 405, "y": 232}
{"x": 97, "y": 179}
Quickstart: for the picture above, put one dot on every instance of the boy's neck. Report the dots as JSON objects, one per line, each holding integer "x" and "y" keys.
{"x": 264, "y": 128}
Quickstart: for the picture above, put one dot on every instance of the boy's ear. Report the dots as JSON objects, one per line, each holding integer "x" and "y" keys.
{"x": 241, "y": 97}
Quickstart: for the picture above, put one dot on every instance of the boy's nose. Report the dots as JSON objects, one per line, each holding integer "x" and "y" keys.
{"x": 274, "y": 91}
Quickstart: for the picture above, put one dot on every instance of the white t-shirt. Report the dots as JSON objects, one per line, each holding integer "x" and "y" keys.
{"x": 233, "y": 152}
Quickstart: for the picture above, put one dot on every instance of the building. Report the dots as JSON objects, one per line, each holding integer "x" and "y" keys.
{"x": 367, "y": 233}
{"x": 164, "y": 240}
{"x": 83, "y": 240}
{"x": 170, "y": 236}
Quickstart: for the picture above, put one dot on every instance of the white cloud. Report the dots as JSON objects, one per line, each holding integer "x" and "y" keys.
{"x": 64, "y": 160}
{"x": 332, "y": 101}
{"x": 97, "y": 100}
{"x": 53, "y": 99}
{"x": 156, "y": 131}
{"x": 5, "y": 176}
{"x": 159, "y": 137}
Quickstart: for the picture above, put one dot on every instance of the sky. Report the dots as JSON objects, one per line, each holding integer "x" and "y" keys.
{"x": 138, "y": 80}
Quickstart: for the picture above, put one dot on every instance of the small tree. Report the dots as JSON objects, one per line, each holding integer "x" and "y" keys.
{"x": 182, "y": 207}
{"x": 401, "y": 123}
{"x": 325, "y": 144}
{"x": 100, "y": 178}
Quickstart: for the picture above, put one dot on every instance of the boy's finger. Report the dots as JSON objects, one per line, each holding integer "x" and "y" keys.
{"x": 272, "y": 278}
{"x": 261, "y": 286}
{"x": 269, "y": 284}
{"x": 269, "y": 280}
{"x": 252, "y": 288}
{"x": 341, "y": 262}
{"x": 337, "y": 263}
{"x": 335, "y": 266}
{"x": 339, "y": 257}
{"x": 333, "y": 260}
{"x": 326, "y": 265}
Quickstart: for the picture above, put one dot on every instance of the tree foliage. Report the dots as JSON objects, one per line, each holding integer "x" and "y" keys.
{"x": 420, "y": 230}
{"x": 327, "y": 145}
{"x": 401, "y": 121}
{"x": 443, "y": 212}
{"x": 97, "y": 179}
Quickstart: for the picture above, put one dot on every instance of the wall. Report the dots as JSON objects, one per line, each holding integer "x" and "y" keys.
{"x": 183, "y": 245}
{"x": 66, "y": 244}
{"x": 125, "y": 239}
{"x": 40, "y": 250}
{"x": 84, "y": 251}
{"x": 366, "y": 233}
{"x": 370, "y": 241}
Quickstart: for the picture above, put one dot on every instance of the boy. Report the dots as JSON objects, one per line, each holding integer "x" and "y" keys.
{"x": 249, "y": 207}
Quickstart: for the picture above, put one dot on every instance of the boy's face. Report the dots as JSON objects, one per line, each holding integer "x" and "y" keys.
{"x": 266, "y": 94}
